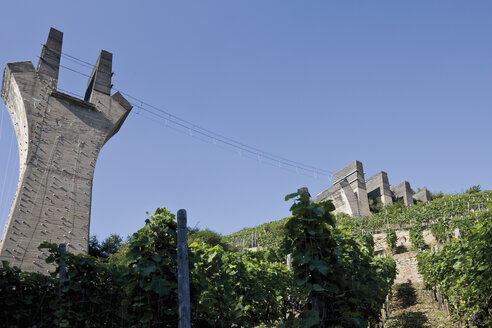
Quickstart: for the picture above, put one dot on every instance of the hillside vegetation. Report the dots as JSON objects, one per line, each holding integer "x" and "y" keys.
{"x": 450, "y": 210}
{"x": 334, "y": 279}
{"x": 456, "y": 268}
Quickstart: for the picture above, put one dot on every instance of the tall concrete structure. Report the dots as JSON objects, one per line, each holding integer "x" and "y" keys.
{"x": 378, "y": 187}
{"x": 403, "y": 191}
{"x": 59, "y": 138}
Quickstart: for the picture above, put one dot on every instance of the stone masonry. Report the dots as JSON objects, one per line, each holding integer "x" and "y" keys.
{"x": 378, "y": 187}
{"x": 59, "y": 138}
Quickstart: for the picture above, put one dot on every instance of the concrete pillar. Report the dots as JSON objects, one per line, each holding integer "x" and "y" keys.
{"x": 378, "y": 187}
{"x": 354, "y": 174}
{"x": 403, "y": 191}
{"x": 343, "y": 198}
{"x": 423, "y": 195}
{"x": 59, "y": 139}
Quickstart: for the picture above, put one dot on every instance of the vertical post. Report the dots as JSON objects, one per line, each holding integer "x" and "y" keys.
{"x": 183, "y": 274}
{"x": 63, "y": 267}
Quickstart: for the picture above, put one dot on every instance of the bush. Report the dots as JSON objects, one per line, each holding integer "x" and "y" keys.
{"x": 462, "y": 270}
{"x": 417, "y": 237}
{"x": 337, "y": 282}
{"x": 206, "y": 237}
{"x": 367, "y": 241}
{"x": 391, "y": 238}
{"x": 473, "y": 189}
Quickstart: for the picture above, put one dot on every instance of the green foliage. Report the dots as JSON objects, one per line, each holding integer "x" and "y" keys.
{"x": 367, "y": 241}
{"x": 440, "y": 232}
{"x": 462, "y": 270}
{"x": 338, "y": 283}
{"x": 237, "y": 289}
{"x": 268, "y": 235}
{"x": 91, "y": 286}
{"x": 417, "y": 236}
{"x": 138, "y": 286}
{"x": 376, "y": 205}
{"x": 391, "y": 238}
{"x": 207, "y": 237}
{"x": 26, "y": 298}
{"x": 445, "y": 207}
{"x": 151, "y": 272}
{"x": 335, "y": 279}
{"x": 103, "y": 250}
{"x": 436, "y": 195}
{"x": 473, "y": 189}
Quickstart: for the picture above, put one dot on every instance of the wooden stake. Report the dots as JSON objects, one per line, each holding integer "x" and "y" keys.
{"x": 183, "y": 273}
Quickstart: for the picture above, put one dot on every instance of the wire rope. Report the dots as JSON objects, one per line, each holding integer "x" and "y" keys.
{"x": 213, "y": 137}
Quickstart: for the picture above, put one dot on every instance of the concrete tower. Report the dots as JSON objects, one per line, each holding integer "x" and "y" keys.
{"x": 59, "y": 138}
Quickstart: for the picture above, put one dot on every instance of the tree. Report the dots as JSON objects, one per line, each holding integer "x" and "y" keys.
{"x": 375, "y": 205}
{"x": 473, "y": 189}
{"x": 207, "y": 237}
{"x": 109, "y": 246}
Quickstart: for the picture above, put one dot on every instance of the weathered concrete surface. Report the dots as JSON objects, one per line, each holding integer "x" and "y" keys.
{"x": 423, "y": 195}
{"x": 354, "y": 174}
{"x": 403, "y": 191}
{"x": 343, "y": 198}
{"x": 59, "y": 139}
{"x": 378, "y": 187}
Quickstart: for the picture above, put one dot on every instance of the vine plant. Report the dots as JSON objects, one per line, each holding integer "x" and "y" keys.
{"x": 338, "y": 281}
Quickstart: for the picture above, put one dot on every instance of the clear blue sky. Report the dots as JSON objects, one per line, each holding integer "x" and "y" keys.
{"x": 403, "y": 86}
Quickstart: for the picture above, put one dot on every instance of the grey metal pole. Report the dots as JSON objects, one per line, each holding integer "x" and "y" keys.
{"x": 183, "y": 273}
